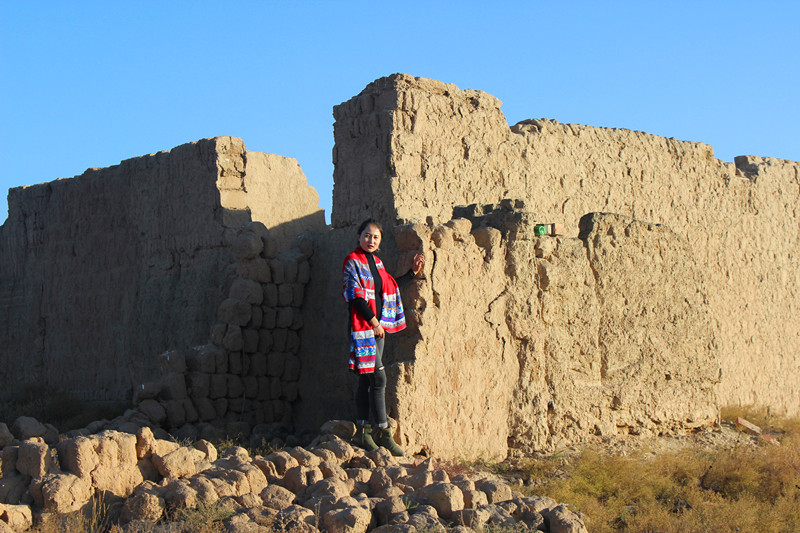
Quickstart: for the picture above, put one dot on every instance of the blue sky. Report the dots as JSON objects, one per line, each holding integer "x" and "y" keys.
{"x": 88, "y": 84}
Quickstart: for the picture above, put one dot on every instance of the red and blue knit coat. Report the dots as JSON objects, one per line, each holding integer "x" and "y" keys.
{"x": 358, "y": 283}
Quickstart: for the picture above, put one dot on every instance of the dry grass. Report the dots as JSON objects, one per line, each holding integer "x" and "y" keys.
{"x": 746, "y": 488}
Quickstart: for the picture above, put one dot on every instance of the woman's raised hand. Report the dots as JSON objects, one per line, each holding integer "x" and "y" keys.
{"x": 418, "y": 263}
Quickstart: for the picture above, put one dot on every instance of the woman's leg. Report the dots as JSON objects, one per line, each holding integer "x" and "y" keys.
{"x": 377, "y": 387}
{"x": 362, "y": 399}
{"x": 371, "y": 390}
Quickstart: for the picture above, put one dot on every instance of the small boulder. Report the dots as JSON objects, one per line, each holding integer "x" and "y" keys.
{"x": 26, "y": 427}
{"x": 35, "y": 459}
{"x": 446, "y": 498}
{"x": 16, "y": 517}
{"x": 343, "y": 429}
{"x": 495, "y": 490}
{"x": 354, "y": 519}
{"x": 560, "y": 519}
{"x": 65, "y": 493}
{"x": 277, "y": 497}
{"x": 143, "y": 506}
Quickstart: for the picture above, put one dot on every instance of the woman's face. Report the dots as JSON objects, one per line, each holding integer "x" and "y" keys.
{"x": 370, "y": 238}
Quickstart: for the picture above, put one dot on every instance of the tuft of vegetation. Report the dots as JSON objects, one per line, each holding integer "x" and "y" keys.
{"x": 204, "y": 518}
{"x": 745, "y": 488}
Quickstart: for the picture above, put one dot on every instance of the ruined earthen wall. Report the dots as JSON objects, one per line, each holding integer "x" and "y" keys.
{"x": 101, "y": 273}
{"x": 541, "y": 342}
{"x": 418, "y": 147}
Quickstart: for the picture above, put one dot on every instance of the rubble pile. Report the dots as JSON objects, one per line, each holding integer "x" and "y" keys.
{"x": 328, "y": 485}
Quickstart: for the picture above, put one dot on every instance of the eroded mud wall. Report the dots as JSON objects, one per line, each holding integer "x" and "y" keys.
{"x": 419, "y": 147}
{"x": 101, "y": 273}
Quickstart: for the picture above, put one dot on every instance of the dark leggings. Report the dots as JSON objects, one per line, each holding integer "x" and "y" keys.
{"x": 372, "y": 389}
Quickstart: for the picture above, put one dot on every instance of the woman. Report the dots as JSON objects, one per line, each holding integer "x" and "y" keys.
{"x": 375, "y": 310}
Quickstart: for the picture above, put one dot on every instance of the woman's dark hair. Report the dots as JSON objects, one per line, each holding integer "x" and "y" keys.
{"x": 366, "y": 223}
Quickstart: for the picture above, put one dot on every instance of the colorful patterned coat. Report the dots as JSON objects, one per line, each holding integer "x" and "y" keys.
{"x": 358, "y": 283}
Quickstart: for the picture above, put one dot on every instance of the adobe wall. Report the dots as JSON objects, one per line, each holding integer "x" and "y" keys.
{"x": 102, "y": 272}
{"x": 410, "y": 149}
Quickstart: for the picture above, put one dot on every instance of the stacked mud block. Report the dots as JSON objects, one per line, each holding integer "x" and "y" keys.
{"x": 248, "y": 373}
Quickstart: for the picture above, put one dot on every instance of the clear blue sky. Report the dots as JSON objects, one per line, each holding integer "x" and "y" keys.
{"x": 88, "y": 84}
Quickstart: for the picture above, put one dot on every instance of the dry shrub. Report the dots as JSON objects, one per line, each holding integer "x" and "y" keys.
{"x": 742, "y": 489}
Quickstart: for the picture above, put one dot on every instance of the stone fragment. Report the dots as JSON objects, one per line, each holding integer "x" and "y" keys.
{"x": 388, "y": 507}
{"x": 304, "y": 457}
{"x": 17, "y": 517}
{"x": 277, "y": 497}
{"x": 495, "y": 490}
{"x": 499, "y": 517}
{"x": 295, "y": 517}
{"x": 35, "y": 459}
{"x": 354, "y": 519}
{"x": 474, "y": 519}
{"x": 299, "y": 477}
{"x": 179, "y": 494}
{"x": 143, "y": 506}
{"x": 331, "y": 468}
{"x": 65, "y": 493}
{"x": 241, "y": 522}
{"x": 208, "y": 449}
{"x": 26, "y": 427}
{"x": 396, "y": 528}
{"x": 179, "y": 463}
{"x": 283, "y": 461}
{"x": 474, "y": 498}
{"x": 424, "y": 519}
{"x": 255, "y": 477}
{"x": 446, "y": 498}
{"x": 560, "y": 519}
{"x": 344, "y": 429}
{"x": 79, "y": 457}
{"x": 335, "y": 488}
{"x": 487, "y": 237}
{"x": 13, "y": 488}
{"x": 340, "y": 448}
{"x": 206, "y": 494}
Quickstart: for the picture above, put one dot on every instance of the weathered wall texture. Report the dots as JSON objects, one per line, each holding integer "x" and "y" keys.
{"x": 102, "y": 272}
{"x": 534, "y": 342}
{"x": 547, "y": 340}
{"x": 410, "y": 148}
